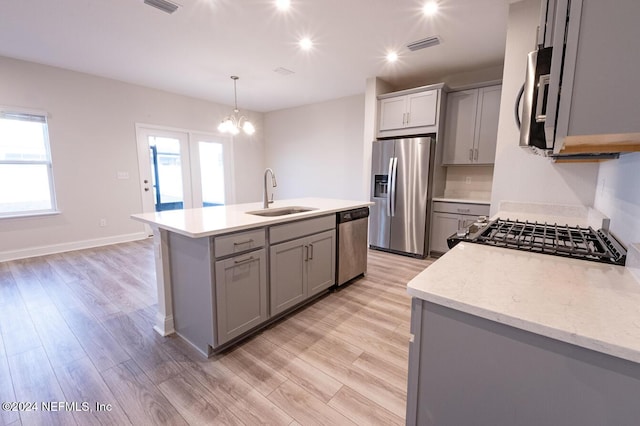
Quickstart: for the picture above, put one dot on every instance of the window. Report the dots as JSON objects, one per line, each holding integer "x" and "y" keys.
{"x": 26, "y": 179}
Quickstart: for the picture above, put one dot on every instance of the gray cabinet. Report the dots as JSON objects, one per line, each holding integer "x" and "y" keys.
{"x": 467, "y": 370}
{"x": 409, "y": 112}
{"x": 471, "y": 126}
{"x": 447, "y": 218}
{"x": 241, "y": 294}
{"x": 302, "y": 261}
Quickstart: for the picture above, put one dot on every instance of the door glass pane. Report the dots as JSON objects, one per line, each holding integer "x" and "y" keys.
{"x": 166, "y": 165}
{"x": 212, "y": 172}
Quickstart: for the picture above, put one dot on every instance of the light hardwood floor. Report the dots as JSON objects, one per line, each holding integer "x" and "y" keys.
{"x": 77, "y": 327}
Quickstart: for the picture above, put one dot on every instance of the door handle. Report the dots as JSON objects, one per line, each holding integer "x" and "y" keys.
{"x": 390, "y": 187}
{"x": 393, "y": 187}
{"x": 541, "y": 115}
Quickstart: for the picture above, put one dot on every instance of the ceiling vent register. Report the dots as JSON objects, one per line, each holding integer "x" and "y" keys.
{"x": 424, "y": 43}
{"x": 163, "y": 5}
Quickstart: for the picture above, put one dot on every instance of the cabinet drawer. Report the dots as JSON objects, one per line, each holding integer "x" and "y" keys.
{"x": 292, "y": 230}
{"x": 239, "y": 242}
{"x": 461, "y": 208}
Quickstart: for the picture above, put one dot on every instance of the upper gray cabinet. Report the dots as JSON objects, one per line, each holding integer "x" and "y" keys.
{"x": 471, "y": 126}
{"x": 409, "y": 112}
{"x": 594, "y": 84}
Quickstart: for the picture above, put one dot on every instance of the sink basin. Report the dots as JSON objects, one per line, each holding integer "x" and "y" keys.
{"x": 281, "y": 211}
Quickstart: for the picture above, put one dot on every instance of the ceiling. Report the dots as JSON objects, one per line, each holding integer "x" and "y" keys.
{"x": 195, "y": 50}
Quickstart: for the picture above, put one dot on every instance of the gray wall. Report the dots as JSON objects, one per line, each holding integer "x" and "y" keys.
{"x": 316, "y": 150}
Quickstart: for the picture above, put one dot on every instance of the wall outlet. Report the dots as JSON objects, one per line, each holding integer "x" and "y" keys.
{"x": 123, "y": 175}
{"x": 467, "y": 180}
{"x": 103, "y": 223}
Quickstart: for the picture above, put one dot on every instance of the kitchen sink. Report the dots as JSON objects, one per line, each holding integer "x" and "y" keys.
{"x": 281, "y": 211}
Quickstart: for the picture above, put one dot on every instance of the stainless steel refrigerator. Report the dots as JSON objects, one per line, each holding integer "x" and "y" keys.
{"x": 402, "y": 171}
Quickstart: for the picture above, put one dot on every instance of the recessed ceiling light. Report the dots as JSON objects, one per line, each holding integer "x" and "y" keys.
{"x": 430, "y": 8}
{"x": 283, "y": 4}
{"x": 305, "y": 43}
{"x": 392, "y": 57}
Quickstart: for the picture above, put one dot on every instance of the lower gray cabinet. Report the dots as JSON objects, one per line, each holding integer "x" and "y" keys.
{"x": 300, "y": 269}
{"x": 241, "y": 294}
{"x": 448, "y": 217}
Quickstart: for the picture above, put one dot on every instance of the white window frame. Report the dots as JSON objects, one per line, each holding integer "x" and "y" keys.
{"x": 39, "y": 116}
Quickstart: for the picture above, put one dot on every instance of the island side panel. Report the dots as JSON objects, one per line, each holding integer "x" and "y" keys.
{"x": 475, "y": 371}
{"x": 192, "y": 289}
{"x": 164, "y": 318}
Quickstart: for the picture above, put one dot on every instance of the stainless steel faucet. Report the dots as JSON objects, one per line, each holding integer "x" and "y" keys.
{"x": 265, "y": 194}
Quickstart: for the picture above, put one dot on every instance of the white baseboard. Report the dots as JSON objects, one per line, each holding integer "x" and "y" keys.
{"x": 75, "y": 245}
{"x": 164, "y": 325}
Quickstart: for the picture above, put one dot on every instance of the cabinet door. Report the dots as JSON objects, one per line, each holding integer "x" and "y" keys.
{"x": 487, "y": 124}
{"x": 321, "y": 266}
{"x": 288, "y": 274}
{"x": 421, "y": 109}
{"x": 459, "y": 127}
{"x": 241, "y": 294}
{"x": 443, "y": 226}
{"x": 392, "y": 113}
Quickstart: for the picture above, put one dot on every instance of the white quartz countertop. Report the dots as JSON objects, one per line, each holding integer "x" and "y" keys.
{"x": 207, "y": 221}
{"x": 589, "y": 304}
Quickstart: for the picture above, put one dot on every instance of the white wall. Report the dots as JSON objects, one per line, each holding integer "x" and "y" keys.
{"x": 518, "y": 175}
{"x": 618, "y": 196}
{"x": 316, "y": 150}
{"x": 92, "y": 135}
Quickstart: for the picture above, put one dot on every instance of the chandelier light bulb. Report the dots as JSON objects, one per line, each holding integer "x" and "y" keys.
{"x": 232, "y": 123}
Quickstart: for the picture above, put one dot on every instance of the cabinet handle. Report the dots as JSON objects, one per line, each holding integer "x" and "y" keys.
{"x": 464, "y": 210}
{"x": 306, "y": 253}
{"x": 408, "y": 117}
{"x": 471, "y": 154}
{"x": 243, "y": 242}
{"x": 248, "y": 259}
{"x": 475, "y": 154}
{"x": 310, "y": 251}
{"x": 404, "y": 116}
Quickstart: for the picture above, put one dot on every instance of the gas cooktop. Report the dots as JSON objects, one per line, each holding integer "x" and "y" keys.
{"x": 559, "y": 240}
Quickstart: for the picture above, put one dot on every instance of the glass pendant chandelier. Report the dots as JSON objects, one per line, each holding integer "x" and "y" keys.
{"x": 232, "y": 123}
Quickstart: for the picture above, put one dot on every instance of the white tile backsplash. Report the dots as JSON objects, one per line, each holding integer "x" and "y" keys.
{"x": 469, "y": 182}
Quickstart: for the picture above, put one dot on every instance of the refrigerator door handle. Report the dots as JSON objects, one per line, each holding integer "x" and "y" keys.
{"x": 390, "y": 187}
{"x": 393, "y": 186}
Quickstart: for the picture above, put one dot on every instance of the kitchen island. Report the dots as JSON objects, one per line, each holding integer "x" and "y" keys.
{"x": 501, "y": 336}
{"x": 212, "y": 263}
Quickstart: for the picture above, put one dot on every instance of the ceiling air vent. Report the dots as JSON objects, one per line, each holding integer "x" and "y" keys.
{"x": 283, "y": 71}
{"x": 163, "y": 5}
{"x": 424, "y": 43}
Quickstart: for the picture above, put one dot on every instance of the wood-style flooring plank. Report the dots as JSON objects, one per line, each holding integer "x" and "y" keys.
{"x": 139, "y": 397}
{"x": 18, "y": 333}
{"x": 104, "y": 351}
{"x": 142, "y": 348}
{"x": 305, "y": 408}
{"x": 310, "y": 378}
{"x": 35, "y": 381}
{"x": 252, "y": 370}
{"x": 59, "y": 342}
{"x": 361, "y": 410}
{"x": 195, "y": 403}
{"x": 81, "y": 382}
{"x": 6, "y": 388}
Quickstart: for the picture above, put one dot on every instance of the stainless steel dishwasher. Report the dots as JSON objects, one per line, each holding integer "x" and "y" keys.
{"x": 352, "y": 244}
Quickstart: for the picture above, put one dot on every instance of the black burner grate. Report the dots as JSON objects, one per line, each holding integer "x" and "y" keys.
{"x": 559, "y": 240}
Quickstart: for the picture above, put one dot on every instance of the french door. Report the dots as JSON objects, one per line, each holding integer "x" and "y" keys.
{"x": 182, "y": 169}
